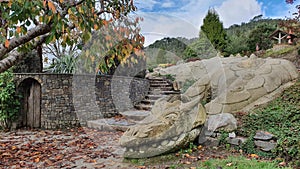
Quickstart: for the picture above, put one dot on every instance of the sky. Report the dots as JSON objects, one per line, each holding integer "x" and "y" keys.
{"x": 183, "y": 18}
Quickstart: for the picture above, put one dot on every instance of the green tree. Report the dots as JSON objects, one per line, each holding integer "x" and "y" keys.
{"x": 9, "y": 101}
{"x": 214, "y": 30}
{"x": 260, "y": 36}
{"x": 201, "y": 48}
{"x": 26, "y": 25}
{"x": 161, "y": 57}
{"x": 174, "y": 45}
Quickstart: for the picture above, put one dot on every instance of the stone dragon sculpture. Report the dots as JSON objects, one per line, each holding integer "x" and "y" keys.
{"x": 226, "y": 84}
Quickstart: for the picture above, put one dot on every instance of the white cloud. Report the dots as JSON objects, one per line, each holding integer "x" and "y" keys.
{"x": 187, "y": 19}
{"x": 168, "y": 4}
{"x": 157, "y": 26}
{"x": 145, "y": 4}
{"x": 237, "y": 11}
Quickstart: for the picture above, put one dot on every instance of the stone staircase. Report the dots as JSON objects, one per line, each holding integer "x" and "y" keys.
{"x": 159, "y": 87}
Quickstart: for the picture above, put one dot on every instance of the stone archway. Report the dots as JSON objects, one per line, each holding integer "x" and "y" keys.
{"x": 30, "y": 114}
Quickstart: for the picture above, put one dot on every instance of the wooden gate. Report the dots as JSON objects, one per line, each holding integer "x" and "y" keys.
{"x": 31, "y": 104}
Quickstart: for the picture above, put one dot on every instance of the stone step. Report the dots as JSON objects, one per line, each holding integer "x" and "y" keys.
{"x": 143, "y": 107}
{"x": 159, "y": 82}
{"x": 110, "y": 124}
{"x": 164, "y": 92}
{"x": 148, "y": 101}
{"x": 135, "y": 115}
{"x": 154, "y": 96}
{"x": 171, "y": 92}
{"x": 161, "y": 85}
{"x": 161, "y": 88}
{"x": 156, "y": 79}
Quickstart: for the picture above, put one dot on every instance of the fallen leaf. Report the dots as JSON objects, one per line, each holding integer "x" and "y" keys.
{"x": 282, "y": 164}
{"x": 141, "y": 167}
{"x": 254, "y": 156}
{"x": 37, "y": 160}
{"x": 189, "y": 156}
{"x": 199, "y": 147}
{"x": 187, "y": 162}
{"x": 229, "y": 164}
{"x": 6, "y": 154}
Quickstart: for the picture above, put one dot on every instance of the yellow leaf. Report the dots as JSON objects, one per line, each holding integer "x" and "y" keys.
{"x": 18, "y": 29}
{"x": 6, "y": 44}
{"x": 61, "y": 1}
{"x": 51, "y": 6}
{"x": 80, "y": 10}
{"x": 41, "y": 18}
{"x": 70, "y": 11}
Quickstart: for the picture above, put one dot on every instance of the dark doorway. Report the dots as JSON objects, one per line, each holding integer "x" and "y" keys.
{"x": 31, "y": 103}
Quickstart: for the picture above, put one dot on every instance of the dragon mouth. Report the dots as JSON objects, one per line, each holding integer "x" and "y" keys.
{"x": 156, "y": 147}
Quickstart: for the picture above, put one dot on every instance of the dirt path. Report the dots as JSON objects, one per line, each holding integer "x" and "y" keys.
{"x": 78, "y": 148}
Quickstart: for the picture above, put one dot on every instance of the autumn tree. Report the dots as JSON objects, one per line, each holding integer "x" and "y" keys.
{"x": 213, "y": 29}
{"x": 25, "y": 25}
{"x": 117, "y": 44}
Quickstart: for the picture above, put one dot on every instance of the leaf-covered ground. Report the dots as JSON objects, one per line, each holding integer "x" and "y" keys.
{"x": 78, "y": 148}
{"x": 87, "y": 148}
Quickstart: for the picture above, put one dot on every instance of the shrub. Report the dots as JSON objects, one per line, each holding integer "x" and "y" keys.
{"x": 9, "y": 101}
{"x": 282, "y": 118}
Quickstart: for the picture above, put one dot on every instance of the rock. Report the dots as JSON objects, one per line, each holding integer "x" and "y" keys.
{"x": 236, "y": 141}
{"x": 171, "y": 125}
{"x": 224, "y": 121}
{"x": 211, "y": 142}
{"x": 263, "y": 135}
{"x": 253, "y": 56}
{"x": 232, "y": 135}
{"x": 265, "y": 145}
{"x": 204, "y": 135}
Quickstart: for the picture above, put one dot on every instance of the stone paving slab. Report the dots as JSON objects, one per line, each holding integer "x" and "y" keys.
{"x": 136, "y": 115}
{"x": 110, "y": 124}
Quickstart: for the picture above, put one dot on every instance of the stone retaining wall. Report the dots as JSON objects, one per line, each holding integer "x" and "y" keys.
{"x": 70, "y": 100}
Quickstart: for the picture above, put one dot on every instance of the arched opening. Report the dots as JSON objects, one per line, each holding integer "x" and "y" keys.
{"x": 30, "y": 114}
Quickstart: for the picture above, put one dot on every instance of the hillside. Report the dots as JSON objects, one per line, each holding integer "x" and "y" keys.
{"x": 239, "y": 41}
